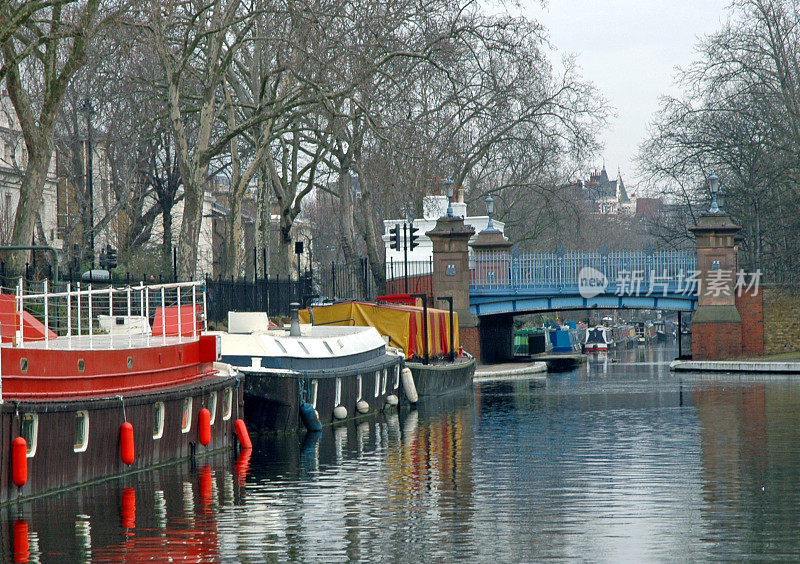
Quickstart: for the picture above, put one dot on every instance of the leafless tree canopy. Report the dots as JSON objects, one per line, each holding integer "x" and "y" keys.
{"x": 739, "y": 116}
{"x": 295, "y": 103}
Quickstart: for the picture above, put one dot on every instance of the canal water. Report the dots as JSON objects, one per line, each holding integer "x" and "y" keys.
{"x": 617, "y": 461}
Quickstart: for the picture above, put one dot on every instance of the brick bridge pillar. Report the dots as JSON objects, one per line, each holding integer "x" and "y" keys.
{"x": 716, "y": 323}
{"x": 451, "y": 274}
{"x": 496, "y": 331}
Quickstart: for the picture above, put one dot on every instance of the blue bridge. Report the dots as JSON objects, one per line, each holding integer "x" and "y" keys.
{"x": 511, "y": 283}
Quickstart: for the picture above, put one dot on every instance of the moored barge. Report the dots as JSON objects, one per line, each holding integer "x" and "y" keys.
{"x": 308, "y": 376}
{"x": 90, "y": 390}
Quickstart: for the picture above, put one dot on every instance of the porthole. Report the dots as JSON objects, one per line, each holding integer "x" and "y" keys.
{"x": 81, "y": 365}
{"x": 81, "y": 431}
{"x": 186, "y": 417}
{"x": 130, "y": 362}
{"x": 227, "y": 403}
{"x": 158, "y": 420}
{"x": 212, "y": 405}
{"x": 30, "y": 432}
{"x": 23, "y": 365}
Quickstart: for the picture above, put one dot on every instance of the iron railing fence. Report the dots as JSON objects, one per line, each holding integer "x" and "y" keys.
{"x": 503, "y": 269}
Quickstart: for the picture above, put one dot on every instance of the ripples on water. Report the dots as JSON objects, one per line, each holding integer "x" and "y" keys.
{"x": 619, "y": 460}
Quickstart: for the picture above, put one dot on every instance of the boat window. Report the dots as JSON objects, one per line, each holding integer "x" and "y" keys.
{"x": 384, "y": 377}
{"x": 359, "y": 386}
{"x": 227, "y": 403}
{"x": 186, "y": 418}
{"x": 302, "y": 346}
{"x": 377, "y": 384}
{"x": 396, "y": 376}
{"x": 327, "y": 346}
{"x": 23, "y": 365}
{"x": 338, "y": 400}
{"x": 30, "y": 432}
{"x": 313, "y": 393}
{"x": 158, "y": 420}
{"x": 81, "y": 365}
{"x": 212, "y": 405}
{"x": 81, "y": 431}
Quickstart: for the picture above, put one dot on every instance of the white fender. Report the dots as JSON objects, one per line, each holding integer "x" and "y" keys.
{"x": 408, "y": 385}
{"x": 392, "y": 400}
{"x": 340, "y": 412}
{"x": 362, "y": 407}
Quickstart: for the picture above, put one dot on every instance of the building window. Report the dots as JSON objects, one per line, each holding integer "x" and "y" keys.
{"x": 30, "y": 432}
{"x": 158, "y": 420}
{"x": 81, "y": 431}
{"x": 186, "y": 418}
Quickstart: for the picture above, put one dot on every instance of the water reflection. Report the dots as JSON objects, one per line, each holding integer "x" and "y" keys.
{"x": 620, "y": 460}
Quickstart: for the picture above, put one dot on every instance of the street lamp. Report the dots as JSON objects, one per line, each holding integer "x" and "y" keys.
{"x": 713, "y": 184}
{"x": 490, "y": 212}
{"x": 448, "y": 189}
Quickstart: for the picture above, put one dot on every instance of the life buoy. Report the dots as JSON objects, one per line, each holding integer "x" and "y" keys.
{"x": 127, "y": 449}
{"x": 310, "y": 417}
{"x": 242, "y": 434}
{"x": 19, "y": 461}
{"x": 409, "y": 387}
{"x": 204, "y": 426}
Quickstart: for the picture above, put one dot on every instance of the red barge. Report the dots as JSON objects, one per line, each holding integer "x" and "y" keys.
{"x": 95, "y": 383}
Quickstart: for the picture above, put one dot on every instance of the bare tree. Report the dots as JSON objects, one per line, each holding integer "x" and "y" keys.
{"x": 40, "y": 58}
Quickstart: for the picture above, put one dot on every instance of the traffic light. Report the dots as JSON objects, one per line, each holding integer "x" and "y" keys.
{"x": 111, "y": 257}
{"x": 394, "y": 238}
{"x": 412, "y": 237}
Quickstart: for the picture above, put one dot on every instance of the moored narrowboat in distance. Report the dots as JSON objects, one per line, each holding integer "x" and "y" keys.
{"x": 90, "y": 390}
{"x": 598, "y": 339}
{"x": 308, "y": 376}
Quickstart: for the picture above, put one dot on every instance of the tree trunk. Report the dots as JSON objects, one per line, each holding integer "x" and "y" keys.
{"x": 376, "y": 260}
{"x": 282, "y": 261}
{"x": 190, "y": 231}
{"x": 263, "y": 231}
{"x": 30, "y": 199}
{"x": 233, "y": 241}
{"x": 166, "y": 239}
{"x": 347, "y": 232}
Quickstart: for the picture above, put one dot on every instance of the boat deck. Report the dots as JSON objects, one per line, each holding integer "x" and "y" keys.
{"x": 105, "y": 342}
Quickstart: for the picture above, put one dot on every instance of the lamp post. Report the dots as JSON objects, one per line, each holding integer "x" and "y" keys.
{"x": 713, "y": 184}
{"x": 490, "y": 212}
{"x": 448, "y": 189}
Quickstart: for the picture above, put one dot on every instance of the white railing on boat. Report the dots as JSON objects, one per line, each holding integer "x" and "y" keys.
{"x": 72, "y": 304}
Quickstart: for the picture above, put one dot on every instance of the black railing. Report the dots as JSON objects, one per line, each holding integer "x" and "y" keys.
{"x": 272, "y": 295}
{"x": 337, "y": 282}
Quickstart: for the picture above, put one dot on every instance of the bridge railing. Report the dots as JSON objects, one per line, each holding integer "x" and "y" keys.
{"x": 534, "y": 270}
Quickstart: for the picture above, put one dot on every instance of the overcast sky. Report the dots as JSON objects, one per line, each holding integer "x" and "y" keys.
{"x": 629, "y": 49}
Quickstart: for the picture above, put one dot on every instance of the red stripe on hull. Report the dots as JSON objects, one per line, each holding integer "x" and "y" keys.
{"x": 54, "y": 373}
